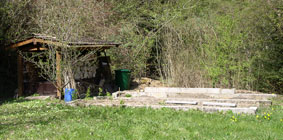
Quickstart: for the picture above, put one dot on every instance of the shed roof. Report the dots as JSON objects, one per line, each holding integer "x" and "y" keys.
{"x": 36, "y": 41}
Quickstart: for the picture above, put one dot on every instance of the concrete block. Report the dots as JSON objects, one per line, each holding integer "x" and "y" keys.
{"x": 221, "y": 96}
{"x": 255, "y": 96}
{"x": 213, "y": 90}
{"x": 228, "y": 91}
{"x": 182, "y": 102}
{"x": 158, "y": 94}
{"x": 116, "y": 94}
{"x": 183, "y": 90}
{"x": 239, "y": 102}
{"x": 219, "y": 104}
{"x": 185, "y": 108}
{"x": 254, "y": 108}
{"x": 136, "y": 94}
{"x": 251, "y": 110}
{"x": 190, "y": 90}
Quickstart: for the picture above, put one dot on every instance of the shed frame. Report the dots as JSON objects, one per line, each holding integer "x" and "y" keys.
{"x": 36, "y": 43}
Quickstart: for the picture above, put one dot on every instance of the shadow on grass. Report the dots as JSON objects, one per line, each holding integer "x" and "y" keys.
{"x": 12, "y": 100}
{"x": 17, "y": 117}
{"x": 7, "y": 127}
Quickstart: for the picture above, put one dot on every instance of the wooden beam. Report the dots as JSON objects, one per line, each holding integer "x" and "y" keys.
{"x": 37, "y": 49}
{"x": 105, "y": 46}
{"x": 20, "y": 76}
{"x": 35, "y": 41}
{"x": 94, "y": 46}
{"x": 22, "y": 43}
{"x": 49, "y": 42}
{"x": 58, "y": 74}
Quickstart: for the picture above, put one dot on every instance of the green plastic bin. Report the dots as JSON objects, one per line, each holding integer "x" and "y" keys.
{"x": 123, "y": 78}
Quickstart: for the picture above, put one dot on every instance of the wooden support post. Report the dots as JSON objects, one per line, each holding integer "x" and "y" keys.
{"x": 20, "y": 76}
{"x": 58, "y": 74}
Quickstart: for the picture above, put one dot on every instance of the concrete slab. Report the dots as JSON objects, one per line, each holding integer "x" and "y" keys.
{"x": 219, "y": 104}
{"x": 228, "y": 91}
{"x": 180, "y": 90}
{"x": 239, "y": 102}
{"x": 221, "y": 96}
{"x": 182, "y": 102}
{"x": 116, "y": 94}
{"x": 157, "y": 94}
{"x": 188, "y": 90}
{"x": 250, "y": 110}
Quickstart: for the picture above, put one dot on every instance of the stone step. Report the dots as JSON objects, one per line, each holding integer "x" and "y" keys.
{"x": 182, "y": 102}
{"x": 219, "y": 104}
{"x": 239, "y": 102}
{"x": 247, "y": 110}
{"x": 211, "y": 96}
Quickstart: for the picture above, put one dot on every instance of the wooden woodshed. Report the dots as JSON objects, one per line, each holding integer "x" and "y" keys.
{"x": 36, "y": 43}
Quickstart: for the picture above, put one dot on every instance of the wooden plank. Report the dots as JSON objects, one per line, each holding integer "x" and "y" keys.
{"x": 22, "y": 43}
{"x": 20, "y": 76}
{"x": 106, "y": 46}
{"x": 49, "y": 42}
{"x": 35, "y": 42}
{"x": 37, "y": 49}
{"x": 58, "y": 74}
{"x": 32, "y": 48}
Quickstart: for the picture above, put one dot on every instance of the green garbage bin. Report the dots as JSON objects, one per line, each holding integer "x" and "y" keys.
{"x": 123, "y": 78}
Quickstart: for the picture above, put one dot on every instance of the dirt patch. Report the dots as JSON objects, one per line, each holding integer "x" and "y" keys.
{"x": 40, "y": 97}
{"x": 140, "y": 83}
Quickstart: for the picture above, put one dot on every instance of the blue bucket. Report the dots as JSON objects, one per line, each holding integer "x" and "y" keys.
{"x": 68, "y": 94}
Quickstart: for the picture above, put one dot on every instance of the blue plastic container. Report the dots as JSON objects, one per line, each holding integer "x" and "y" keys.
{"x": 68, "y": 94}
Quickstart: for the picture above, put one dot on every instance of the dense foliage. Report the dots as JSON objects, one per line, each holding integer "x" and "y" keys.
{"x": 228, "y": 44}
{"x": 220, "y": 43}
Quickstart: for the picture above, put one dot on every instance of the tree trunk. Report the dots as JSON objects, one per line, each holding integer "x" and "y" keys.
{"x": 69, "y": 79}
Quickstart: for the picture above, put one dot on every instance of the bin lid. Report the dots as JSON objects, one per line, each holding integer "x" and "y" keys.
{"x": 123, "y": 70}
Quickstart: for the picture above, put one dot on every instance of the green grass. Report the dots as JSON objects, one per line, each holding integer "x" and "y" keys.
{"x": 21, "y": 119}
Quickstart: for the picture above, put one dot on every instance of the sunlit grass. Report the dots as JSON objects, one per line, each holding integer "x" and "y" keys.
{"x": 53, "y": 120}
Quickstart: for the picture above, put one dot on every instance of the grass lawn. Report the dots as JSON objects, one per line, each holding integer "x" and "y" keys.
{"x": 52, "y": 120}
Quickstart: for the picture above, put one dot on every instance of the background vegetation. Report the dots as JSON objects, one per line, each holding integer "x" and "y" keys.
{"x": 220, "y": 43}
